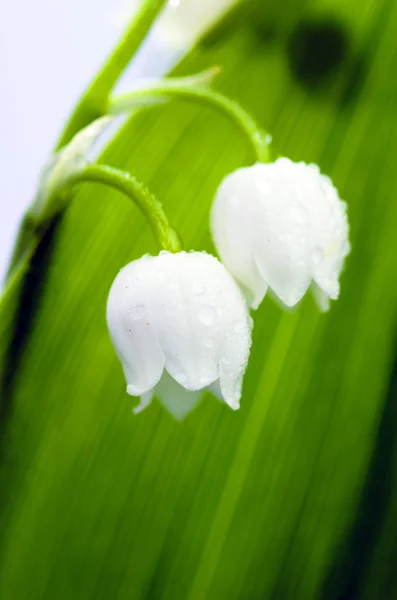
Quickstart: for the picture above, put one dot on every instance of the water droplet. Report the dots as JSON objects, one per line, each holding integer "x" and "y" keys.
{"x": 317, "y": 255}
{"x": 164, "y": 252}
{"x": 137, "y": 311}
{"x": 198, "y": 288}
{"x": 298, "y": 213}
{"x": 207, "y": 315}
{"x": 239, "y": 326}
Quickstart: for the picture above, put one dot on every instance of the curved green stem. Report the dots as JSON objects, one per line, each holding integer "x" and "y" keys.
{"x": 94, "y": 101}
{"x": 152, "y": 209}
{"x": 259, "y": 139}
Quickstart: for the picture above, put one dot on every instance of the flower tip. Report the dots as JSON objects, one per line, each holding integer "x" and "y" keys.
{"x": 136, "y": 390}
{"x": 324, "y": 308}
{"x": 234, "y": 404}
{"x": 205, "y": 78}
{"x": 321, "y": 298}
{"x": 255, "y": 302}
{"x": 255, "y": 296}
{"x": 131, "y": 390}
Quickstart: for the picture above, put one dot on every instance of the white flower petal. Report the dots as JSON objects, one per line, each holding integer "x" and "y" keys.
{"x": 176, "y": 399}
{"x": 322, "y": 299}
{"x": 201, "y": 314}
{"x": 145, "y": 400}
{"x": 235, "y": 354}
{"x": 184, "y": 313}
{"x": 281, "y": 225}
{"x": 228, "y": 231}
{"x": 134, "y": 338}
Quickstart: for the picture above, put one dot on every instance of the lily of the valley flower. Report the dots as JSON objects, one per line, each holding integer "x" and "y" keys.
{"x": 184, "y": 21}
{"x": 281, "y": 226}
{"x": 180, "y": 326}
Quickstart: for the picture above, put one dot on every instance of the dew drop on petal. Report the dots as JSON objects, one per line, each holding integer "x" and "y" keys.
{"x": 207, "y": 315}
{"x": 136, "y": 311}
{"x": 298, "y": 213}
{"x": 198, "y": 288}
{"x": 239, "y": 326}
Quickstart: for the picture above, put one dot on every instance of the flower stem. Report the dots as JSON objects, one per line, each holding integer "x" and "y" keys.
{"x": 152, "y": 209}
{"x": 94, "y": 101}
{"x": 259, "y": 139}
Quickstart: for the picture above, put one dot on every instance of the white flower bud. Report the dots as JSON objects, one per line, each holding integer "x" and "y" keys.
{"x": 179, "y": 325}
{"x": 64, "y": 165}
{"x": 281, "y": 226}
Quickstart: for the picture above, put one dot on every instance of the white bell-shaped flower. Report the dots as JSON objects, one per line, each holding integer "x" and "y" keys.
{"x": 184, "y": 21}
{"x": 281, "y": 226}
{"x": 180, "y": 326}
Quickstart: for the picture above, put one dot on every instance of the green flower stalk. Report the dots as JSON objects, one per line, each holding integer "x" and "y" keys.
{"x": 93, "y": 103}
{"x": 193, "y": 88}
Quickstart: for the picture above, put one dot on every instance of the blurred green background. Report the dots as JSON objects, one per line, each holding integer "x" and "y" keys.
{"x": 294, "y": 496}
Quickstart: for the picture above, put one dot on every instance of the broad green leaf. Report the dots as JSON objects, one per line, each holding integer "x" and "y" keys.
{"x": 263, "y": 503}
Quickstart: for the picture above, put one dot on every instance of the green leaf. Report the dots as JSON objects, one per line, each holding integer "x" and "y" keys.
{"x": 278, "y": 500}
